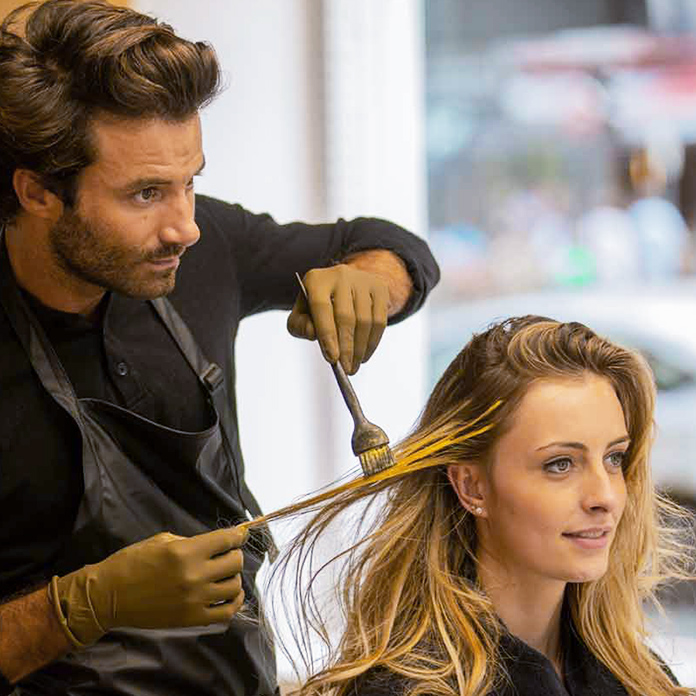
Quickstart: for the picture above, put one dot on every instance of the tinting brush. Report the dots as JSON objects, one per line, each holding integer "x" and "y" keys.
{"x": 370, "y": 443}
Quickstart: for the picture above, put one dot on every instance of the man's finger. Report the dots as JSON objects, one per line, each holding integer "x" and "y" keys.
{"x": 299, "y": 321}
{"x": 363, "y": 328}
{"x": 344, "y": 320}
{"x": 322, "y": 311}
{"x": 222, "y": 613}
{"x": 380, "y": 315}
{"x": 225, "y": 565}
{"x": 219, "y": 541}
{"x": 225, "y": 590}
{"x": 301, "y": 326}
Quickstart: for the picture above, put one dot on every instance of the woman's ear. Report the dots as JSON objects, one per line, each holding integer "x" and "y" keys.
{"x": 34, "y": 197}
{"x": 468, "y": 484}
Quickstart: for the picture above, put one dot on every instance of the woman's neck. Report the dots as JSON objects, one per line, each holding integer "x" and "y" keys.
{"x": 530, "y": 610}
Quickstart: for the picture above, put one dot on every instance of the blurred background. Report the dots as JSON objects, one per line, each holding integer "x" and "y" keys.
{"x": 547, "y": 150}
{"x": 561, "y": 161}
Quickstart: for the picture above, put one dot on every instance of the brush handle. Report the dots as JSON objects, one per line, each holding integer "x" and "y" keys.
{"x": 349, "y": 395}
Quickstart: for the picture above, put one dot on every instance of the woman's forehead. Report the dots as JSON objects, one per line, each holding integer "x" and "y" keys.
{"x": 583, "y": 409}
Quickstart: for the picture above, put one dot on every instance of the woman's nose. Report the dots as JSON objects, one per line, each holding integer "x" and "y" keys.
{"x": 603, "y": 490}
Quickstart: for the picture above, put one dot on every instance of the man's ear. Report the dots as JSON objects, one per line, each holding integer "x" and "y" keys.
{"x": 34, "y": 197}
{"x": 468, "y": 483}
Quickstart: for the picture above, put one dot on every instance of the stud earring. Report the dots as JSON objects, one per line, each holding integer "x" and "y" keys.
{"x": 478, "y": 510}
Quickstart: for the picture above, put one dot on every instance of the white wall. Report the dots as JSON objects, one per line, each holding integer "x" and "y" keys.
{"x": 375, "y": 165}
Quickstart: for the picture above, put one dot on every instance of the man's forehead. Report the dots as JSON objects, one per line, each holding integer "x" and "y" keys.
{"x": 143, "y": 144}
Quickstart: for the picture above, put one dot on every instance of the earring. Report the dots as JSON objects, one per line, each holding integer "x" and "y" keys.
{"x": 478, "y": 510}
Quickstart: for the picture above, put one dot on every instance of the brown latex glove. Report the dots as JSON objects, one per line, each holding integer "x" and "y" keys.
{"x": 165, "y": 581}
{"x": 347, "y": 313}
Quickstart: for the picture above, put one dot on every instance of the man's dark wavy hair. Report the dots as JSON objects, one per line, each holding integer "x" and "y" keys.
{"x": 74, "y": 61}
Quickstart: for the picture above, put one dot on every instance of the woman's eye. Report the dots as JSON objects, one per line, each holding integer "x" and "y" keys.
{"x": 559, "y": 466}
{"x": 617, "y": 459}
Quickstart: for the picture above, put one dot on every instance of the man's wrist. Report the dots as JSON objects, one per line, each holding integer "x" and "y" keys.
{"x": 62, "y": 618}
{"x": 30, "y": 637}
{"x": 391, "y": 268}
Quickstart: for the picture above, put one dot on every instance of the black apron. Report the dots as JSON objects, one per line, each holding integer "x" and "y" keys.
{"x": 141, "y": 478}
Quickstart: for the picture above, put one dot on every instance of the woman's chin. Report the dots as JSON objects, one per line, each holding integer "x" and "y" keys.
{"x": 587, "y": 574}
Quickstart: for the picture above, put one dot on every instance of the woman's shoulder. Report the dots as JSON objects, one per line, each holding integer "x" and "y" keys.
{"x": 585, "y": 672}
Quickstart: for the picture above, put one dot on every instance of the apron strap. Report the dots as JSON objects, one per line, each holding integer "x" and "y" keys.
{"x": 31, "y": 335}
{"x": 212, "y": 378}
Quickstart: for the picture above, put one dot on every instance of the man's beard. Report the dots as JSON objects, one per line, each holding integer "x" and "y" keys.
{"x": 92, "y": 254}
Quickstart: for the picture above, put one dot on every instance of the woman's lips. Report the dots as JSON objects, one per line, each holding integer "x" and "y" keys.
{"x": 594, "y": 538}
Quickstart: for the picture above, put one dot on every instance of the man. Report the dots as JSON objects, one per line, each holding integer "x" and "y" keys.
{"x": 121, "y": 291}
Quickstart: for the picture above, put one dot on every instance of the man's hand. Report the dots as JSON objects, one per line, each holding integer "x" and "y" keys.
{"x": 165, "y": 581}
{"x": 347, "y": 313}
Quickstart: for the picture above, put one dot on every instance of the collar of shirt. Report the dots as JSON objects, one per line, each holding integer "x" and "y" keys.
{"x": 532, "y": 672}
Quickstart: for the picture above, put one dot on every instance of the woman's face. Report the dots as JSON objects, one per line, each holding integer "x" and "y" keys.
{"x": 555, "y": 491}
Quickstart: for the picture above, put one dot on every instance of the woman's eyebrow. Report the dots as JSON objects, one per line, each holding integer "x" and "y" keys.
{"x": 571, "y": 445}
{"x": 581, "y": 446}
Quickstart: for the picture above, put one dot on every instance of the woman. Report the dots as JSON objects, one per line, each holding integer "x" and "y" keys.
{"x": 517, "y": 558}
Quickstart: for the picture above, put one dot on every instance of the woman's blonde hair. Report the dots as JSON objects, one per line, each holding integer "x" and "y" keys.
{"x": 411, "y": 605}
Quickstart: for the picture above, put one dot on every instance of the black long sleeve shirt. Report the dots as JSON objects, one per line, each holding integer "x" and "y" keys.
{"x": 242, "y": 264}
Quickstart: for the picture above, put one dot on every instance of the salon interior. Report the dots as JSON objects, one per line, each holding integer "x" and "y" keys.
{"x": 545, "y": 148}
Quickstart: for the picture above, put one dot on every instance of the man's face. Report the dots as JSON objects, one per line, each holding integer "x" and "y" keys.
{"x": 134, "y": 214}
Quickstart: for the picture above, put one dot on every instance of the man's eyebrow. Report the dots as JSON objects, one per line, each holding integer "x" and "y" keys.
{"x": 581, "y": 446}
{"x": 147, "y": 181}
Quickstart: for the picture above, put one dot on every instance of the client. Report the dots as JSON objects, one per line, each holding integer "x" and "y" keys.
{"x": 516, "y": 558}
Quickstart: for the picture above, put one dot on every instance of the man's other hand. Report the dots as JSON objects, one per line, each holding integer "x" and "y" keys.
{"x": 165, "y": 581}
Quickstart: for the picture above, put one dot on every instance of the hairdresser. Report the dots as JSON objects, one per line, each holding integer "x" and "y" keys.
{"x": 121, "y": 291}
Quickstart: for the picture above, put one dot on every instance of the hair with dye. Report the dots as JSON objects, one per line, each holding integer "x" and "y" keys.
{"x": 410, "y": 602}
{"x": 74, "y": 61}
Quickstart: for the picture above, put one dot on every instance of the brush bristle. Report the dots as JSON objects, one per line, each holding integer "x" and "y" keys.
{"x": 376, "y": 459}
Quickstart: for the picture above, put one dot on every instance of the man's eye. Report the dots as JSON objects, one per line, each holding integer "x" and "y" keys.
{"x": 559, "y": 466}
{"x": 146, "y": 195}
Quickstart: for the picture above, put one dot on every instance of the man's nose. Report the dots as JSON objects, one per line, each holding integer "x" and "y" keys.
{"x": 180, "y": 225}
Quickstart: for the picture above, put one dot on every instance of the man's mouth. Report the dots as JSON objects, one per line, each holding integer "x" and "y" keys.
{"x": 169, "y": 262}
{"x": 167, "y": 256}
